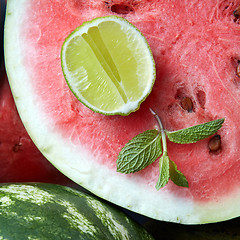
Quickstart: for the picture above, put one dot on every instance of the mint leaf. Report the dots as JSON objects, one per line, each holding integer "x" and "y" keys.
{"x": 146, "y": 147}
{"x": 140, "y": 152}
{"x": 163, "y": 171}
{"x": 195, "y": 133}
{"x": 176, "y": 176}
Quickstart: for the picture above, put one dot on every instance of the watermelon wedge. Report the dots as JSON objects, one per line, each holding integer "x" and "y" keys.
{"x": 195, "y": 45}
{"x": 20, "y": 160}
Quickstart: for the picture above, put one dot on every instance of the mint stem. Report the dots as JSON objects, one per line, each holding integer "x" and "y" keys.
{"x": 164, "y": 140}
{"x": 168, "y": 169}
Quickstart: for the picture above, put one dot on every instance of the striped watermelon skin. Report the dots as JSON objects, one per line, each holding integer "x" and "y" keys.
{"x": 49, "y": 211}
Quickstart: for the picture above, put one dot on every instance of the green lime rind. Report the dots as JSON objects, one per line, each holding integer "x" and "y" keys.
{"x": 129, "y": 106}
{"x": 195, "y": 133}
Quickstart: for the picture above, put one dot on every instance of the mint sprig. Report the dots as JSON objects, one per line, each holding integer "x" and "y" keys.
{"x": 146, "y": 147}
{"x": 167, "y": 168}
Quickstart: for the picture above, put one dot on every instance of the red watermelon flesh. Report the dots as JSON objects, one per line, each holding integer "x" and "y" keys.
{"x": 20, "y": 160}
{"x": 196, "y": 48}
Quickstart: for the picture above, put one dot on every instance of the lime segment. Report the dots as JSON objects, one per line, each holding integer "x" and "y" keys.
{"x": 108, "y": 65}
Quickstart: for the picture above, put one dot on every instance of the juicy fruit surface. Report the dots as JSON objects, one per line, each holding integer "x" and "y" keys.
{"x": 108, "y": 65}
{"x": 179, "y": 73}
{"x": 46, "y": 211}
{"x": 196, "y": 49}
{"x": 20, "y": 160}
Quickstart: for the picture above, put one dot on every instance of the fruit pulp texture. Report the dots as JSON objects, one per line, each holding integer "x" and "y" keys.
{"x": 196, "y": 48}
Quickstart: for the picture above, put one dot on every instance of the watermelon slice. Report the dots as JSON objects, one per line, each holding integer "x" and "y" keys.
{"x": 196, "y": 48}
{"x": 20, "y": 160}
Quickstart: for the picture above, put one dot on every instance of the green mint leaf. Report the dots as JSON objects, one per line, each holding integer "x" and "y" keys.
{"x": 140, "y": 152}
{"x": 176, "y": 176}
{"x": 195, "y": 133}
{"x": 163, "y": 171}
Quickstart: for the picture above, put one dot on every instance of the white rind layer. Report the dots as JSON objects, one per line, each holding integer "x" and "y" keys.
{"x": 79, "y": 165}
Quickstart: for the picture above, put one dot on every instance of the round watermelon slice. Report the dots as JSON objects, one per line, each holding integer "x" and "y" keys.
{"x": 195, "y": 45}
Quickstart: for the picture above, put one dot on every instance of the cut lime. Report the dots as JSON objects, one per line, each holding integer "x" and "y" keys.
{"x": 108, "y": 65}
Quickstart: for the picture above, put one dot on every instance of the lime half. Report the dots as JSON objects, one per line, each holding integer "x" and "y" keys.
{"x": 108, "y": 65}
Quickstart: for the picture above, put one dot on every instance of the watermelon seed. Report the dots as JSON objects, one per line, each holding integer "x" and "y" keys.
{"x": 121, "y": 9}
{"x": 238, "y": 69}
{"x": 16, "y": 147}
{"x": 214, "y": 143}
{"x": 187, "y": 104}
{"x": 201, "y": 97}
{"x": 236, "y": 12}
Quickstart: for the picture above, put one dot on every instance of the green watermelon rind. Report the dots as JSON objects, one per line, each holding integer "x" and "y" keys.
{"x": 78, "y": 164}
{"x": 48, "y": 211}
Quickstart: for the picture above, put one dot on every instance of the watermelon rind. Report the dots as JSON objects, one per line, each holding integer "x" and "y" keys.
{"x": 48, "y": 211}
{"x": 78, "y": 163}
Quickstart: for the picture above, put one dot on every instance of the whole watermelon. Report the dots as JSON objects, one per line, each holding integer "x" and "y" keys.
{"x": 195, "y": 45}
{"x": 48, "y": 211}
